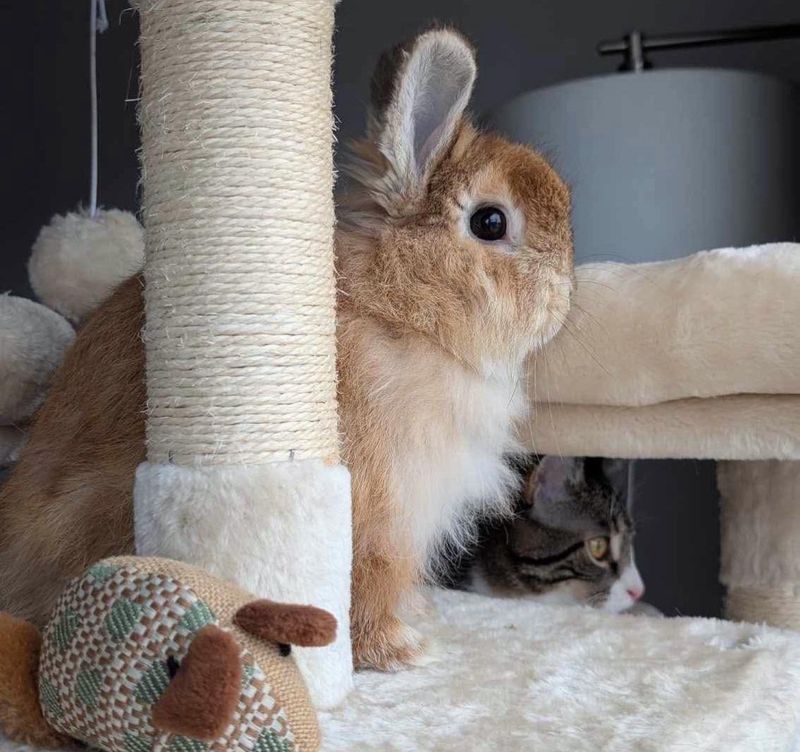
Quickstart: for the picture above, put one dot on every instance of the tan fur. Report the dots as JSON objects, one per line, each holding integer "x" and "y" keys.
{"x": 21, "y": 717}
{"x": 68, "y": 501}
{"x": 201, "y": 698}
{"x": 433, "y": 328}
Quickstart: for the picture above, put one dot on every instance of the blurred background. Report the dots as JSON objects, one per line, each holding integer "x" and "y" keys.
{"x": 522, "y": 45}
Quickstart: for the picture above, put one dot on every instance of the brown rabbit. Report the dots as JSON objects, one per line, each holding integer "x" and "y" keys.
{"x": 454, "y": 258}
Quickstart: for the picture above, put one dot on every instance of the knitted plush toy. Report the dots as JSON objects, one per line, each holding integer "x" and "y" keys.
{"x": 147, "y": 654}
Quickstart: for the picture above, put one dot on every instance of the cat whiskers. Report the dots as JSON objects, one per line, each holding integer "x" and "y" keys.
{"x": 595, "y": 600}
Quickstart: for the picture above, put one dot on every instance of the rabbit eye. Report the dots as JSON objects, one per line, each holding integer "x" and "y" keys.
{"x": 488, "y": 223}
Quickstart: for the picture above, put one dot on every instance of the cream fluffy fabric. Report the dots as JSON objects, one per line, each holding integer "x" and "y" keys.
{"x": 746, "y": 427}
{"x": 512, "y": 675}
{"x": 711, "y": 324}
{"x": 32, "y": 343}
{"x": 77, "y": 260}
{"x": 280, "y": 531}
{"x": 760, "y": 534}
{"x": 697, "y": 357}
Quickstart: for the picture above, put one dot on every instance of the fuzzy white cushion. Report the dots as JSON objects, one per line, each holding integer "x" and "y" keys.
{"x": 77, "y": 260}
{"x": 32, "y": 343}
{"x": 515, "y": 676}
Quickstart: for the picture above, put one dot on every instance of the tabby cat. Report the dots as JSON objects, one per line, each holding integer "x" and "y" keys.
{"x": 571, "y": 540}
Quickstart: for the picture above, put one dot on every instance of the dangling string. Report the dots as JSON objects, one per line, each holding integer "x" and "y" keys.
{"x": 98, "y": 7}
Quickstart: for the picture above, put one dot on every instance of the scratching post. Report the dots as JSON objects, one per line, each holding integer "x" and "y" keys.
{"x": 760, "y": 534}
{"x": 243, "y": 474}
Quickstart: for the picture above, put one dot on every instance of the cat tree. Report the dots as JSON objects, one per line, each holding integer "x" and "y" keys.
{"x": 243, "y": 476}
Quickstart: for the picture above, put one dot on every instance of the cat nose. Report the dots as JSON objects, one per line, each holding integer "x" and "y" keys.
{"x": 636, "y": 593}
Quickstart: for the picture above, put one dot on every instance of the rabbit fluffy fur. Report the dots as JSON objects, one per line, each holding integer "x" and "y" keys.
{"x": 433, "y": 329}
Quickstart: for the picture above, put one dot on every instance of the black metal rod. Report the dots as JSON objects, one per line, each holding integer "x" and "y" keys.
{"x": 703, "y": 38}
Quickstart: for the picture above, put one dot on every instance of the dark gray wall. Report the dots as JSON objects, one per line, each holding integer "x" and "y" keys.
{"x": 677, "y": 535}
{"x": 522, "y": 44}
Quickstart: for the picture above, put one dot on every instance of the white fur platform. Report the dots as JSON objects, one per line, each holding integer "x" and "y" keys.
{"x": 666, "y": 359}
{"x": 513, "y": 676}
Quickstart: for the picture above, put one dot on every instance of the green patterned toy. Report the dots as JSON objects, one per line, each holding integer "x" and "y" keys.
{"x": 151, "y": 655}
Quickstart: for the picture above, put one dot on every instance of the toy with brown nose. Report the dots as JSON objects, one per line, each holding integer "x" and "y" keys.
{"x": 151, "y": 654}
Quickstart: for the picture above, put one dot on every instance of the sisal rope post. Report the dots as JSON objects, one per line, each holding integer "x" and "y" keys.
{"x": 760, "y": 534}
{"x": 242, "y": 473}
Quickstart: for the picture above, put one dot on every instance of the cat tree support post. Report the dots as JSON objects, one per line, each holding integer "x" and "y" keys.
{"x": 243, "y": 475}
{"x": 761, "y": 540}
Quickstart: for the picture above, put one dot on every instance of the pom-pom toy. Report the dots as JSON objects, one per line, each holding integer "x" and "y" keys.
{"x": 149, "y": 654}
{"x": 78, "y": 259}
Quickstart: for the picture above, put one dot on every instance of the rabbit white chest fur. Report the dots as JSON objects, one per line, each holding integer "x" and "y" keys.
{"x": 450, "y": 428}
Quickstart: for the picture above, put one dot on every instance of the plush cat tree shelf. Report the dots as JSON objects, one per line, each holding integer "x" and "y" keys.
{"x": 515, "y": 676}
{"x": 694, "y": 358}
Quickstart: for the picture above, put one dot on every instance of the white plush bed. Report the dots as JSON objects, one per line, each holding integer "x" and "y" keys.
{"x": 515, "y": 676}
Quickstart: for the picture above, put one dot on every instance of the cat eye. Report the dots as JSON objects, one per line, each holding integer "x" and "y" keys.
{"x": 488, "y": 223}
{"x": 598, "y": 548}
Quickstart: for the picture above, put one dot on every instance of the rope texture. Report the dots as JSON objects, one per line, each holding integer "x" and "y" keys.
{"x": 237, "y": 176}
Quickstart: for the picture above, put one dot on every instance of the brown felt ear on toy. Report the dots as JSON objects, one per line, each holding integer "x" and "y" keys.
{"x": 305, "y": 626}
{"x": 20, "y": 713}
{"x": 201, "y": 698}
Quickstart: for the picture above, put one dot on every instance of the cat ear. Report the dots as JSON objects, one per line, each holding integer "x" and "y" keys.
{"x": 548, "y": 489}
{"x": 616, "y": 473}
{"x": 419, "y": 94}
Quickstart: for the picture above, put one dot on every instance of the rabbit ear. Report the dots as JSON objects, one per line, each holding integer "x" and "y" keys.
{"x": 616, "y": 473}
{"x": 419, "y": 94}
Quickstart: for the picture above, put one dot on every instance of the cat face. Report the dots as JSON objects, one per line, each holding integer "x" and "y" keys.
{"x": 572, "y": 541}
